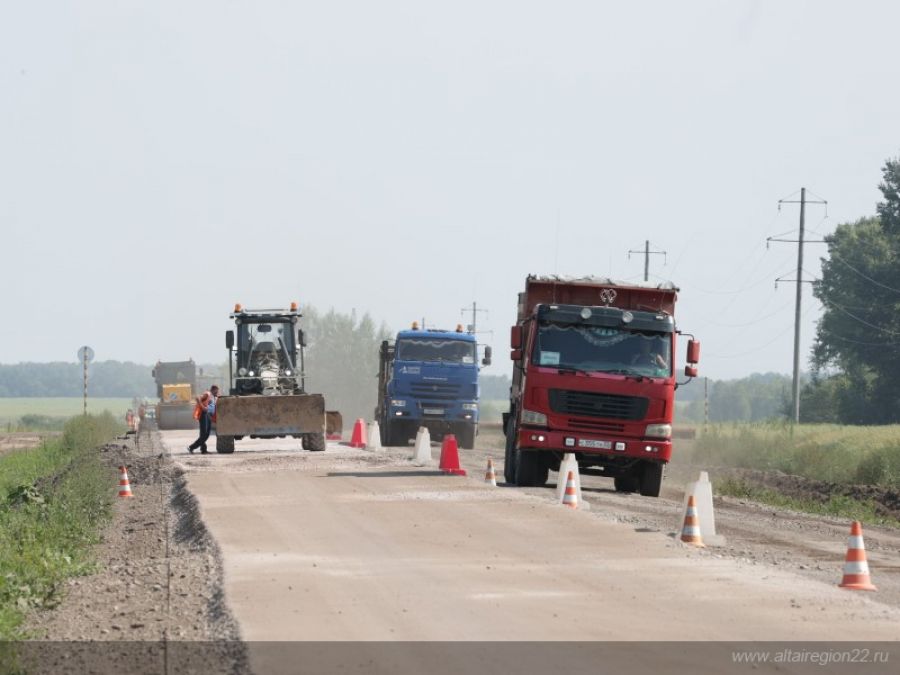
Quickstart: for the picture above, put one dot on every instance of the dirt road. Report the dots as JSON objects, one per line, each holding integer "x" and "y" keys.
{"x": 355, "y": 545}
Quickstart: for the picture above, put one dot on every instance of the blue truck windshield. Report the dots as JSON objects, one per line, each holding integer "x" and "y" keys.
{"x": 447, "y": 351}
{"x": 600, "y": 349}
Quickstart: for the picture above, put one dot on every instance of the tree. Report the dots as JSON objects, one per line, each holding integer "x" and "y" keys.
{"x": 859, "y": 332}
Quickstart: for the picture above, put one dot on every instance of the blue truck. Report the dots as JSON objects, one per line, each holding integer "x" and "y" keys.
{"x": 429, "y": 378}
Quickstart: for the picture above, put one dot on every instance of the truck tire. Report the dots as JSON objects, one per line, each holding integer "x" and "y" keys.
{"x": 651, "y": 479}
{"x": 531, "y": 469}
{"x": 467, "y": 436}
{"x": 394, "y": 435}
{"x": 313, "y": 442}
{"x": 627, "y": 483}
{"x": 224, "y": 445}
{"x": 509, "y": 459}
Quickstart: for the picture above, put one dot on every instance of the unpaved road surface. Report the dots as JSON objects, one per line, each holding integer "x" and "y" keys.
{"x": 356, "y": 545}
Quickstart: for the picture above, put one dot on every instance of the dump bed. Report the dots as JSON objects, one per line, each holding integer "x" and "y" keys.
{"x": 595, "y": 291}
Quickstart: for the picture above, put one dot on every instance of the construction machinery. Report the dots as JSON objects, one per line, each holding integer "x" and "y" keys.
{"x": 429, "y": 378}
{"x": 176, "y": 386}
{"x": 594, "y": 375}
{"x": 267, "y": 396}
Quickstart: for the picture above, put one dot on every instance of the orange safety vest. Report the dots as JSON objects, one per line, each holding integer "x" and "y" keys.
{"x": 201, "y": 405}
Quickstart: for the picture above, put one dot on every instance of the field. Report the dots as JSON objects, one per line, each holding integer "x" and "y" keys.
{"x": 12, "y": 409}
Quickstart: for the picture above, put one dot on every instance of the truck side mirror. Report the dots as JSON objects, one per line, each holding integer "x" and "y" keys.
{"x": 690, "y": 371}
{"x": 229, "y": 339}
{"x": 515, "y": 354}
{"x": 301, "y": 338}
{"x": 693, "y": 351}
{"x": 515, "y": 337}
{"x": 486, "y": 361}
{"x": 153, "y": 373}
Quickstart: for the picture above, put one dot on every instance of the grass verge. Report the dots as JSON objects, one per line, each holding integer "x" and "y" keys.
{"x": 53, "y": 501}
{"x": 842, "y": 506}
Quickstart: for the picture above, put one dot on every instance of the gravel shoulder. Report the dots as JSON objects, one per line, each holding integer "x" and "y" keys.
{"x": 812, "y": 546}
{"x": 157, "y": 583}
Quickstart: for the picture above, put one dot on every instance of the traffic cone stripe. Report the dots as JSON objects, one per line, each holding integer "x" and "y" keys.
{"x": 855, "y": 542}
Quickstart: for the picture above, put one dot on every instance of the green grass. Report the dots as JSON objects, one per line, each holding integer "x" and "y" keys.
{"x": 59, "y": 409}
{"x": 836, "y": 505}
{"x": 53, "y": 500}
{"x": 826, "y": 452}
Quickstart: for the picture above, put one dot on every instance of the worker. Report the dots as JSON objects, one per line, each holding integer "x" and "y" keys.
{"x": 204, "y": 411}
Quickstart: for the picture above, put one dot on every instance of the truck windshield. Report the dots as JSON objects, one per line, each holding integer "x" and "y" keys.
{"x": 448, "y": 351}
{"x": 604, "y": 350}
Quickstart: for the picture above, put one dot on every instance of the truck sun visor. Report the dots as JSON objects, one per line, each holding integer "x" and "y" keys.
{"x": 611, "y": 317}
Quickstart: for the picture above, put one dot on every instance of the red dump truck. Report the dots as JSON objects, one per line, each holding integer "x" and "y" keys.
{"x": 593, "y": 375}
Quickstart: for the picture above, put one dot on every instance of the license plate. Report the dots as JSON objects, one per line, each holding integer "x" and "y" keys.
{"x": 600, "y": 445}
{"x": 433, "y": 411}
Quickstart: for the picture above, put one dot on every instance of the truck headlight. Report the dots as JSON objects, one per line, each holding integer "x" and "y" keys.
{"x": 251, "y": 374}
{"x": 242, "y": 372}
{"x": 658, "y": 431}
{"x": 470, "y": 406}
{"x": 289, "y": 372}
{"x": 398, "y": 403}
{"x": 535, "y": 418}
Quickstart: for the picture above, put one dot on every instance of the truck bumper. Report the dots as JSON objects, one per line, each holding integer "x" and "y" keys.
{"x": 588, "y": 444}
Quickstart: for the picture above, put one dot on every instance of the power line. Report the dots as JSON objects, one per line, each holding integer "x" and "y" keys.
{"x": 877, "y": 283}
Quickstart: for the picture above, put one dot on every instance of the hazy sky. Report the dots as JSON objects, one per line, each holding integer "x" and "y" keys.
{"x": 160, "y": 161}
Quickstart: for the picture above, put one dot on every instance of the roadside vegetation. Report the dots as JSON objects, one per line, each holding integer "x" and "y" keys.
{"x": 846, "y": 471}
{"x": 51, "y": 413}
{"x": 826, "y": 452}
{"x": 53, "y": 501}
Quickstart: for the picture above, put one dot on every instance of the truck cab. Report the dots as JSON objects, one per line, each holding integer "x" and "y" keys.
{"x": 429, "y": 378}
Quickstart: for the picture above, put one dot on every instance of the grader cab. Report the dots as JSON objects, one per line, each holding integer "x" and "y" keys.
{"x": 267, "y": 395}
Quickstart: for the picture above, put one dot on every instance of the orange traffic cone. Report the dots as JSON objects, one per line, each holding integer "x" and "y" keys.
{"x": 690, "y": 532}
{"x": 489, "y": 476}
{"x": 358, "y": 440}
{"x": 570, "y": 496}
{"x": 124, "y": 485}
{"x": 450, "y": 456}
{"x": 856, "y": 568}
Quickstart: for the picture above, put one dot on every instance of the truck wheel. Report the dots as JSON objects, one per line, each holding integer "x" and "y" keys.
{"x": 313, "y": 442}
{"x": 651, "y": 479}
{"x": 509, "y": 459}
{"x": 531, "y": 469}
{"x": 467, "y": 436}
{"x": 394, "y": 435}
{"x": 627, "y": 483}
{"x": 224, "y": 445}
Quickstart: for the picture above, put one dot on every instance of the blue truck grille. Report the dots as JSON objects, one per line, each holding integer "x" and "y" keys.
{"x": 435, "y": 391}
{"x": 591, "y": 404}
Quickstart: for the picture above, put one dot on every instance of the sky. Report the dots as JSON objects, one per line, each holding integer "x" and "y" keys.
{"x": 161, "y": 161}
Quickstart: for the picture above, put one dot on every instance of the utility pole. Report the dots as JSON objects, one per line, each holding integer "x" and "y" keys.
{"x": 795, "y": 384}
{"x": 705, "y": 401}
{"x": 647, "y": 253}
{"x": 474, "y": 309}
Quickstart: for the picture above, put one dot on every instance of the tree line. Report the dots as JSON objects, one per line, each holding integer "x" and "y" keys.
{"x": 856, "y": 369}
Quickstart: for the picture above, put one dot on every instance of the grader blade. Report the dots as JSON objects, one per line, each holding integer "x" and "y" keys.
{"x": 278, "y": 415}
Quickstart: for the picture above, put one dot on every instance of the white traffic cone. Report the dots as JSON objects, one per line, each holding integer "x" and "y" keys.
{"x": 423, "y": 446}
{"x": 373, "y": 434}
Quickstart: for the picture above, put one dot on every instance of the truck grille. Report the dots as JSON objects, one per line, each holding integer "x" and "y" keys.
{"x": 590, "y": 425}
{"x": 435, "y": 391}
{"x": 591, "y": 404}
